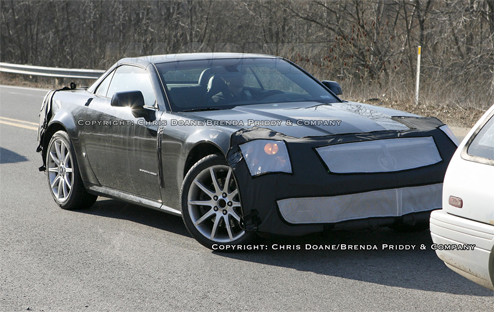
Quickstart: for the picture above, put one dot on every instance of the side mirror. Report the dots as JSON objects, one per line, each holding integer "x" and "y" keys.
{"x": 333, "y": 86}
{"x": 132, "y": 99}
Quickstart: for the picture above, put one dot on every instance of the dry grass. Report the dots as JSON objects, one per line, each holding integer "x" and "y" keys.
{"x": 456, "y": 116}
{"x": 448, "y": 106}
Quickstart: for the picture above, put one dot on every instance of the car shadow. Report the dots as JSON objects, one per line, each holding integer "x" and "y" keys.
{"x": 378, "y": 259}
{"x": 10, "y": 157}
{"x": 110, "y": 208}
{"x": 373, "y": 262}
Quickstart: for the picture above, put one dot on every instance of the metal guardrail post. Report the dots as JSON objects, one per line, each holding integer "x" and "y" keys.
{"x": 418, "y": 76}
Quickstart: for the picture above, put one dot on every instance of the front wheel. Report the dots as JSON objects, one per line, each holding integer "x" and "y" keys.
{"x": 211, "y": 204}
{"x": 65, "y": 182}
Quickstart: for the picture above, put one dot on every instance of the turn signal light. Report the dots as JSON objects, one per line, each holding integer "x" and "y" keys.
{"x": 271, "y": 148}
{"x": 456, "y": 201}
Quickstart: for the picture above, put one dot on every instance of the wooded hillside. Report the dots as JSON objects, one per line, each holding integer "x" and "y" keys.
{"x": 369, "y": 46}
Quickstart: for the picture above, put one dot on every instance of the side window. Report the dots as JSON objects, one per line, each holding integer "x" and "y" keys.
{"x": 483, "y": 144}
{"x": 130, "y": 78}
{"x": 103, "y": 87}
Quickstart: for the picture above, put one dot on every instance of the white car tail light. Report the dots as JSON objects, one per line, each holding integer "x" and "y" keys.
{"x": 456, "y": 201}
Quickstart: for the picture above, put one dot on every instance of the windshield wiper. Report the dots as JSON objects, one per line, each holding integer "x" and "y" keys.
{"x": 199, "y": 109}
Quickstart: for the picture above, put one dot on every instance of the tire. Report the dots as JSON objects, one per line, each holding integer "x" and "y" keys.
{"x": 211, "y": 204}
{"x": 64, "y": 179}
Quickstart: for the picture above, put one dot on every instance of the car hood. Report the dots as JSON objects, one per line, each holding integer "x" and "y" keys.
{"x": 308, "y": 118}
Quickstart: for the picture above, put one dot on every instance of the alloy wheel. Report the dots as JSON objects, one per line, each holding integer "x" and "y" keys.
{"x": 214, "y": 204}
{"x": 60, "y": 170}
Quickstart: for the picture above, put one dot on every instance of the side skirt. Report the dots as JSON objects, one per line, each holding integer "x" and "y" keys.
{"x": 108, "y": 192}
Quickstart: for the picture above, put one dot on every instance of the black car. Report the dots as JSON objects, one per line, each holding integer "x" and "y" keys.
{"x": 241, "y": 145}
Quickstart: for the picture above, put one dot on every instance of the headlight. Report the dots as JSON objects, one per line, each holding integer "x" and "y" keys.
{"x": 264, "y": 156}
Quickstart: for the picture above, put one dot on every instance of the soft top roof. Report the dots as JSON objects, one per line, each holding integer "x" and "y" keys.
{"x": 144, "y": 61}
{"x": 155, "y": 59}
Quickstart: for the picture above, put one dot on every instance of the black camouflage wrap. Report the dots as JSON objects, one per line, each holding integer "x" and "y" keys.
{"x": 311, "y": 178}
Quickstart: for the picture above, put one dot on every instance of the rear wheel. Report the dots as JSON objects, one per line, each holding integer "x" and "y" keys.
{"x": 211, "y": 204}
{"x": 64, "y": 179}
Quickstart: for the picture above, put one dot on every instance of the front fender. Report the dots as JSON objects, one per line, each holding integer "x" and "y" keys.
{"x": 61, "y": 111}
{"x": 218, "y": 138}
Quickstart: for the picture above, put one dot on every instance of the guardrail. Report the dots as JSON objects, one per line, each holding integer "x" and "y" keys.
{"x": 51, "y": 71}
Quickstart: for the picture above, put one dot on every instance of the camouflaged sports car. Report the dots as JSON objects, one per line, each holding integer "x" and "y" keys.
{"x": 241, "y": 145}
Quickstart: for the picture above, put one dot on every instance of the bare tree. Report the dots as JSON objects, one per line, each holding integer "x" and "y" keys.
{"x": 369, "y": 46}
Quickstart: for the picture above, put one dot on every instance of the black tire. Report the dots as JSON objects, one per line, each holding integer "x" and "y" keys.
{"x": 64, "y": 179}
{"x": 211, "y": 204}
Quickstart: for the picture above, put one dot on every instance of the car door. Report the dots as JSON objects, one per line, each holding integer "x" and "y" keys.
{"x": 121, "y": 146}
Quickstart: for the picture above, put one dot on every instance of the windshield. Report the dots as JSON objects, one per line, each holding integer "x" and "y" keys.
{"x": 226, "y": 83}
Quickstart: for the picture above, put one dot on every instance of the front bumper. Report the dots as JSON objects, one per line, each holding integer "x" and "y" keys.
{"x": 477, "y": 264}
{"x": 381, "y": 203}
{"x": 313, "y": 199}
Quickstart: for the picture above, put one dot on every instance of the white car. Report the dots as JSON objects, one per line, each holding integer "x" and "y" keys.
{"x": 463, "y": 230}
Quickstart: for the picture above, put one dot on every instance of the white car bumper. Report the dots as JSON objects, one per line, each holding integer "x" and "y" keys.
{"x": 450, "y": 231}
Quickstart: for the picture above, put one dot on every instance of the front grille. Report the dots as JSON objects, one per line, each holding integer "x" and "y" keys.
{"x": 380, "y": 155}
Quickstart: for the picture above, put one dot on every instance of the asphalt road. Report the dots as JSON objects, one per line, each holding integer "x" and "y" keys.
{"x": 120, "y": 257}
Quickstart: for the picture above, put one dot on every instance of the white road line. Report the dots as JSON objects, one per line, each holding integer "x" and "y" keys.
{"x": 25, "y": 88}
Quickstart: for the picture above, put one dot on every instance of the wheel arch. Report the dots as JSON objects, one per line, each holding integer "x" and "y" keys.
{"x": 199, "y": 151}
{"x": 201, "y": 144}
{"x": 52, "y": 129}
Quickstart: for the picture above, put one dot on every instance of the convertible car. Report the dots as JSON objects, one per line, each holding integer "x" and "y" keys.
{"x": 241, "y": 145}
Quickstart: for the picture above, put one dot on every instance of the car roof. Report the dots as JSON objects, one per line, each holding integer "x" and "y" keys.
{"x": 144, "y": 61}
{"x": 155, "y": 59}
